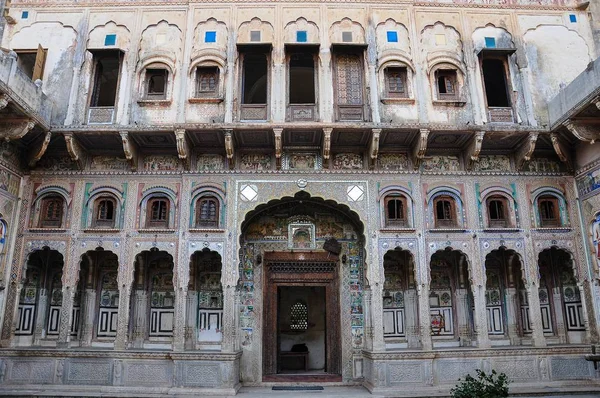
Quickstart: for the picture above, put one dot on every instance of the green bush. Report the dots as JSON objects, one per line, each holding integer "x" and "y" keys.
{"x": 492, "y": 385}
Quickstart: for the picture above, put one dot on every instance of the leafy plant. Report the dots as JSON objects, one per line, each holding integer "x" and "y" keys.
{"x": 491, "y": 385}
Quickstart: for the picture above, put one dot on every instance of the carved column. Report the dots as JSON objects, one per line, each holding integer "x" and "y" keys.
{"x": 480, "y": 315}
{"x": 229, "y": 312}
{"x": 377, "y": 316}
{"x": 424, "y": 317}
{"x": 140, "y": 309}
{"x": 411, "y": 318}
{"x": 190, "y": 326}
{"x": 512, "y": 312}
{"x": 278, "y": 87}
{"x": 179, "y": 327}
{"x": 589, "y": 319}
{"x": 535, "y": 315}
{"x": 87, "y": 312}
{"x": 368, "y": 321}
{"x": 558, "y": 313}
{"x": 462, "y": 314}
{"x": 40, "y": 320}
{"x": 121, "y": 340}
{"x": 325, "y": 89}
{"x": 66, "y": 315}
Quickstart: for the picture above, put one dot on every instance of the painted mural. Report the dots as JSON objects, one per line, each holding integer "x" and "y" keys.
{"x": 596, "y": 238}
{"x": 493, "y": 163}
{"x": 347, "y": 161}
{"x": 210, "y": 162}
{"x": 441, "y": 163}
{"x": 392, "y": 161}
{"x": 255, "y": 161}
{"x": 589, "y": 183}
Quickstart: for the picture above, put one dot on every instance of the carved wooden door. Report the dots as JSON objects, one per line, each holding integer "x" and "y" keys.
{"x": 284, "y": 270}
{"x": 349, "y": 86}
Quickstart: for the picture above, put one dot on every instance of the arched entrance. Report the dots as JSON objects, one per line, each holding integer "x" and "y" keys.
{"x": 301, "y": 289}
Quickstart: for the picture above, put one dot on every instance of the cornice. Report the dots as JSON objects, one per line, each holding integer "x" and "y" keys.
{"x": 112, "y": 354}
{"x": 574, "y": 350}
{"x": 158, "y": 3}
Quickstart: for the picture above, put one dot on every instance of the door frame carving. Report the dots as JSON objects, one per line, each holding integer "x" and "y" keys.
{"x": 301, "y": 269}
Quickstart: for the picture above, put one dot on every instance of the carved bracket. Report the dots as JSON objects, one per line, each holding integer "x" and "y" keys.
{"x": 77, "y": 153}
{"x": 229, "y": 147}
{"x": 14, "y": 131}
{"x": 326, "y": 143}
{"x": 183, "y": 147}
{"x": 472, "y": 152}
{"x": 278, "y": 145}
{"x": 587, "y": 133}
{"x": 420, "y": 148}
{"x": 36, "y": 155}
{"x": 4, "y": 100}
{"x": 130, "y": 150}
{"x": 561, "y": 150}
{"x": 374, "y": 146}
{"x": 525, "y": 152}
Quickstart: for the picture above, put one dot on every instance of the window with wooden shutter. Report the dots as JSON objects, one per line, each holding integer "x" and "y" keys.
{"x": 51, "y": 212}
{"x": 349, "y": 86}
{"x": 395, "y": 212}
{"x": 158, "y": 213}
{"x": 104, "y": 213}
{"x": 447, "y": 86}
{"x": 548, "y": 211}
{"x": 395, "y": 81}
{"x": 32, "y": 62}
{"x": 207, "y": 82}
{"x": 444, "y": 212}
{"x": 207, "y": 212}
{"x": 497, "y": 212}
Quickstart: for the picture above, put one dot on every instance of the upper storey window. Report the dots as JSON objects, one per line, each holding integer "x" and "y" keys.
{"x": 349, "y": 84}
{"x": 107, "y": 65}
{"x": 207, "y": 82}
{"x": 548, "y": 211}
{"x": 51, "y": 212}
{"x": 395, "y": 82}
{"x": 156, "y": 84}
{"x": 207, "y": 212}
{"x": 158, "y": 213}
{"x": 445, "y": 212}
{"x": 255, "y": 84}
{"x": 497, "y": 212}
{"x": 104, "y": 213}
{"x": 32, "y": 62}
{"x": 395, "y": 211}
{"x": 447, "y": 84}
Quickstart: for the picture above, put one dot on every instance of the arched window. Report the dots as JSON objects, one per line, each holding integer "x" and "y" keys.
{"x": 445, "y": 212}
{"x": 395, "y": 211}
{"x": 497, "y": 208}
{"x": 156, "y": 83}
{"x": 104, "y": 213}
{"x": 207, "y": 82}
{"x": 396, "y": 82}
{"x": 207, "y": 212}
{"x": 299, "y": 317}
{"x": 446, "y": 84}
{"x": 158, "y": 213}
{"x": 52, "y": 212}
{"x": 548, "y": 211}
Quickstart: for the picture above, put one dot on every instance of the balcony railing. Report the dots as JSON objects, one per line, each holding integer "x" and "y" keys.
{"x": 22, "y": 90}
{"x": 253, "y": 112}
{"x": 101, "y": 115}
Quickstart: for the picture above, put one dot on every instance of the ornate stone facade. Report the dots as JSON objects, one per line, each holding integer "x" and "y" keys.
{"x": 181, "y": 174}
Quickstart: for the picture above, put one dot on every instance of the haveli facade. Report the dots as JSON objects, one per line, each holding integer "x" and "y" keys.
{"x": 192, "y": 192}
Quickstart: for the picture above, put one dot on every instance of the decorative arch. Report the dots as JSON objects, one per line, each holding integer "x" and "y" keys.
{"x": 160, "y": 40}
{"x": 207, "y": 191}
{"x": 221, "y": 39}
{"x": 347, "y": 25}
{"x": 97, "y": 36}
{"x": 255, "y": 24}
{"x": 155, "y": 193}
{"x": 396, "y": 191}
{"x": 547, "y": 191}
{"x": 503, "y": 192}
{"x": 384, "y": 46}
{"x": 502, "y": 36}
{"x": 301, "y": 24}
{"x": 104, "y": 192}
{"x": 454, "y": 194}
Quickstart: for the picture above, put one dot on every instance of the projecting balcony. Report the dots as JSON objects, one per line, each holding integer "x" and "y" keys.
{"x": 22, "y": 98}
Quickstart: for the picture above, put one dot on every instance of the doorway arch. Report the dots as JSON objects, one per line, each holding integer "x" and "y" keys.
{"x": 298, "y": 242}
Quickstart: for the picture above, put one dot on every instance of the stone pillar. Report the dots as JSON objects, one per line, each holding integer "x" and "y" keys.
{"x": 535, "y": 315}
{"x": 41, "y": 314}
{"x": 121, "y": 340}
{"x": 88, "y": 314}
{"x": 140, "y": 317}
{"x": 411, "y": 316}
{"x": 325, "y": 85}
{"x": 424, "y": 317}
{"x": 480, "y": 316}
{"x": 367, "y": 310}
{"x": 191, "y": 331}
{"x": 230, "y": 73}
{"x": 237, "y": 344}
{"x": 180, "y": 316}
{"x": 229, "y": 313}
{"x": 512, "y": 316}
{"x": 377, "y": 317}
{"x": 14, "y": 319}
{"x": 462, "y": 314}
{"x": 559, "y": 316}
{"x": 589, "y": 318}
{"x": 278, "y": 87}
{"x": 66, "y": 315}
